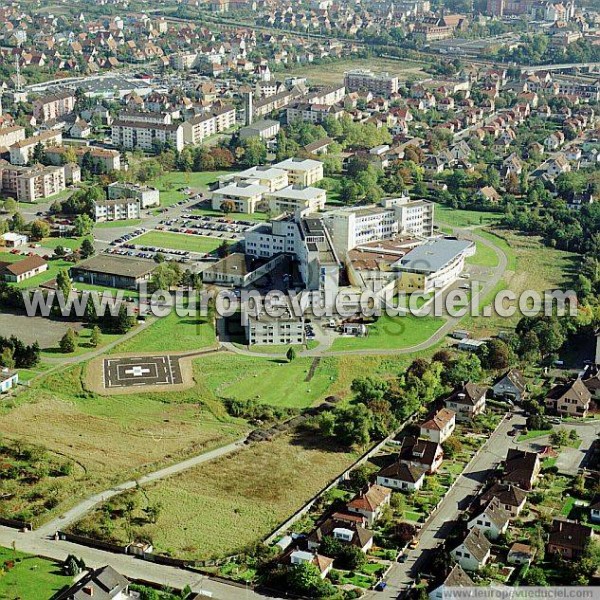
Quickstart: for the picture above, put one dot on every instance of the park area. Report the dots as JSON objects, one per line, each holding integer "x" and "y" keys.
{"x": 26, "y": 577}
{"x": 222, "y": 507}
{"x": 171, "y": 183}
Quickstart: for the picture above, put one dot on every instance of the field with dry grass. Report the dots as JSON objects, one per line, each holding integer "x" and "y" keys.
{"x": 223, "y": 506}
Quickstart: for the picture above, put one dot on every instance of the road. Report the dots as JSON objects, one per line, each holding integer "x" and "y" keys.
{"x": 465, "y": 488}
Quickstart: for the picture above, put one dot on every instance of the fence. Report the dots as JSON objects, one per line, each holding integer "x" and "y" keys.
{"x": 16, "y": 523}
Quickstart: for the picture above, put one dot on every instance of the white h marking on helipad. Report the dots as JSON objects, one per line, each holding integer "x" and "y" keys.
{"x": 137, "y": 371}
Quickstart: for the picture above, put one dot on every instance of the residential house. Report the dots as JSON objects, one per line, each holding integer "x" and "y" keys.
{"x": 521, "y": 468}
{"x": 400, "y": 476}
{"x": 422, "y": 454}
{"x": 467, "y": 402}
{"x": 511, "y": 386}
{"x": 457, "y": 578}
{"x": 439, "y": 427}
{"x": 493, "y": 520}
{"x": 24, "y": 269}
{"x": 8, "y": 379}
{"x": 568, "y": 539}
{"x": 511, "y": 497}
{"x": 323, "y": 563}
{"x": 104, "y": 582}
{"x": 489, "y": 194}
{"x": 371, "y": 503}
{"x": 569, "y": 399}
{"x": 473, "y": 552}
{"x": 351, "y": 534}
{"x": 520, "y": 554}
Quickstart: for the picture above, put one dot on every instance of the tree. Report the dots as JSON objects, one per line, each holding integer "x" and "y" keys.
{"x": 223, "y": 249}
{"x": 95, "y": 336}
{"x": 63, "y": 282}
{"x": 68, "y": 343}
{"x": 17, "y": 222}
{"x": 39, "y": 230}
{"x": 124, "y": 321}
{"x": 87, "y": 248}
{"x": 536, "y": 577}
{"x": 495, "y": 354}
{"x": 60, "y": 251}
{"x": 290, "y": 354}
{"x": 39, "y": 154}
{"x": 7, "y": 358}
{"x": 82, "y": 225}
{"x": 10, "y": 206}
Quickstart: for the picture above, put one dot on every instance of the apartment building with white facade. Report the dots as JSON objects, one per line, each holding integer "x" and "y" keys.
{"x": 131, "y": 134}
{"x": 243, "y": 197}
{"x": 22, "y": 151}
{"x": 105, "y": 160}
{"x": 296, "y": 197}
{"x": 117, "y": 209}
{"x": 270, "y": 177}
{"x": 283, "y": 330}
{"x": 11, "y": 135}
{"x": 302, "y": 171}
{"x": 198, "y": 128}
{"x": 37, "y": 183}
{"x": 147, "y": 197}
{"x": 366, "y": 80}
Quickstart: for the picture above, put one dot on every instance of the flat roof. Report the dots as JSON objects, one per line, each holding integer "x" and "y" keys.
{"x": 120, "y": 266}
{"x": 433, "y": 255}
{"x": 242, "y": 189}
{"x": 261, "y": 173}
{"x": 294, "y": 192}
{"x": 298, "y": 164}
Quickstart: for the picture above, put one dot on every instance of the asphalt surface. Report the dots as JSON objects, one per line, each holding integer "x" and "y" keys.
{"x": 146, "y": 370}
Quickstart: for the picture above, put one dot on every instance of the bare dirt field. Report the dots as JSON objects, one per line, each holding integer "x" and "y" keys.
{"x": 46, "y": 332}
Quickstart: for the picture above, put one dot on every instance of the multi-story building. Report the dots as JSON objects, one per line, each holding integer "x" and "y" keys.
{"x": 21, "y": 152}
{"x": 54, "y": 106}
{"x": 146, "y": 196}
{"x": 137, "y": 134}
{"x": 242, "y": 197}
{"x": 414, "y": 216}
{"x": 312, "y": 113}
{"x": 296, "y": 197}
{"x": 273, "y": 179}
{"x": 105, "y": 160}
{"x": 40, "y": 182}
{"x": 182, "y": 61}
{"x": 11, "y": 135}
{"x": 377, "y": 83}
{"x": 196, "y": 129}
{"x": 265, "y": 130}
{"x": 116, "y": 209}
{"x": 283, "y": 330}
{"x": 302, "y": 171}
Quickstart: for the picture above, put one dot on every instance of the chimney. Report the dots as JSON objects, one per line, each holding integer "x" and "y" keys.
{"x": 89, "y": 590}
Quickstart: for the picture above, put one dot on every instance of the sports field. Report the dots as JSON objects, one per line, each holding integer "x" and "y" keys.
{"x": 178, "y": 241}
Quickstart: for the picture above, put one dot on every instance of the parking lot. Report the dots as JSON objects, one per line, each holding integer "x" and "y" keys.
{"x": 219, "y": 227}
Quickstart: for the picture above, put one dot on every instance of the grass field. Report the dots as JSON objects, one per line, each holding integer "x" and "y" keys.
{"x": 26, "y": 577}
{"x": 269, "y": 381}
{"x": 330, "y": 73}
{"x": 83, "y": 344}
{"x": 108, "y": 439}
{"x": 225, "y": 505}
{"x": 464, "y": 218}
{"x": 172, "y": 334}
{"x": 169, "y": 183}
{"x": 392, "y": 332}
{"x": 73, "y": 243}
{"x": 178, "y": 241}
{"x": 484, "y": 256}
{"x": 123, "y": 223}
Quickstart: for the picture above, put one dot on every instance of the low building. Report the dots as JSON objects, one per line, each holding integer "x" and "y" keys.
{"x": 511, "y": 497}
{"x": 238, "y": 270}
{"x": 271, "y": 178}
{"x": 11, "y": 135}
{"x": 265, "y": 130}
{"x": 347, "y": 532}
{"x": 457, "y": 578}
{"x": 521, "y": 468}
{"x": 24, "y": 269}
{"x": 474, "y": 552}
{"x": 440, "y": 426}
{"x": 493, "y": 520}
{"x": 370, "y": 503}
{"x": 8, "y": 379}
{"x": 511, "y": 386}
{"x": 467, "y": 402}
{"x": 148, "y": 197}
{"x": 302, "y": 171}
{"x": 568, "y": 539}
{"x": 422, "y": 454}
{"x": 520, "y": 554}
{"x": 400, "y": 476}
{"x": 239, "y": 197}
{"x": 100, "y": 584}
{"x": 323, "y": 563}
{"x": 571, "y": 399}
{"x": 113, "y": 271}
{"x": 117, "y": 209}
{"x": 282, "y": 330}
{"x": 12, "y": 239}
{"x": 595, "y": 511}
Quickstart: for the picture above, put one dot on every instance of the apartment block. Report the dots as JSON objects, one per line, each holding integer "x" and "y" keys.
{"x": 366, "y": 80}
{"x": 243, "y": 197}
{"x": 53, "y": 106}
{"x": 40, "y": 182}
{"x": 147, "y": 197}
{"x": 104, "y": 160}
{"x": 117, "y": 209}
{"x": 137, "y": 134}
{"x": 196, "y": 129}
{"x": 302, "y": 171}
{"x": 22, "y": 151}
{"x": 296, "y": 197}
{"x": 11, "y": 135}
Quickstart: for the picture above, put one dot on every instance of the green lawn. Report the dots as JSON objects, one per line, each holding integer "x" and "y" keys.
{"x": 172, "y": 334}
{"x": 83, "y": 344}
{"x": 392, "y": 332}
{"x": 178, "y": 241}
{"x": 533, "y": 434}
{"x": 26, "y": 577}
{"x": 269, "y": 381}
{"x": 169, "y": 183}
{"x": 90, "y": 287}
{"x": 73, "y": 243}
{"x": 123, "y": 223}
{"x": 484, "y": 256}
{"x": 456, "y": 217}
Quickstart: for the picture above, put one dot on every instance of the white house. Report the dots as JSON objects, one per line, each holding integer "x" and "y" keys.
{"x": 456, "y": 578}
{"x": 474, "y": 551}
{"x": 467, "y": 402}
{"x": 493, "y": 520}
{"x": 400, "y": 476}
{"x": 8, "y": 379}
{"x": 371, "y": 503}
{"x": 440, "y": 427}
